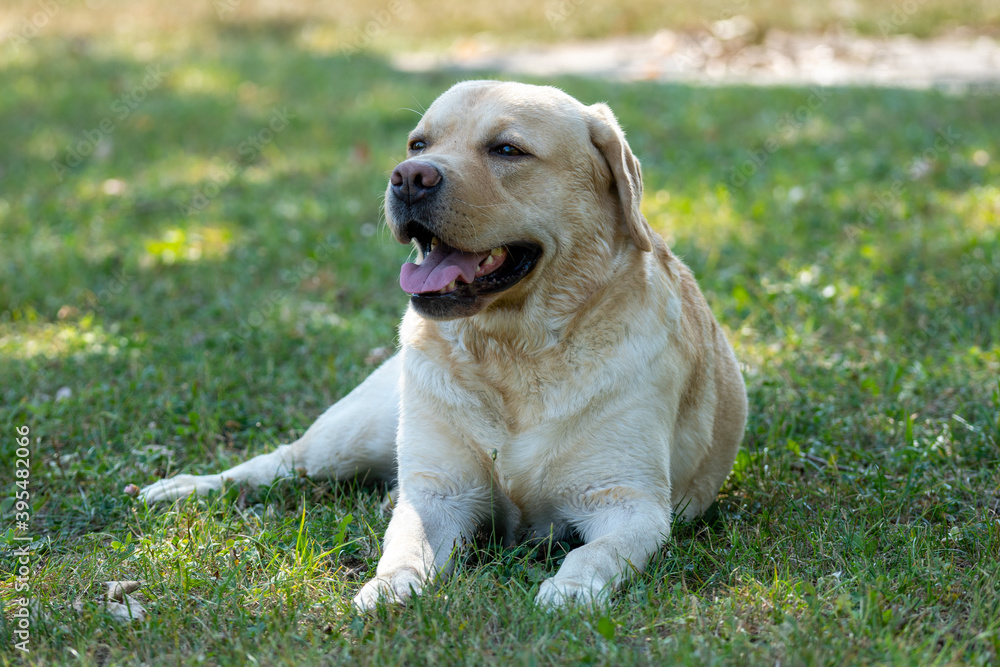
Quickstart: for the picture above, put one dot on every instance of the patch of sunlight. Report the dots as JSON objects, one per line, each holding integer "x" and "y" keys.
{"x": 23, "y": 58}
{"x": 793, "y": 129}
{"x": 323, "y": 39}
{"x": 754, "y": 352}
{"x": 201, "y": 80}
{"x": 26, "y": 338}
{"x": 188, "y": 245}
{"x": 701, "y": 220}
{"x": 181, "y": 169}
{"x": 312, "y": 313}
{"x": 46, "y": 242}
{"x": 978, "y": 208}
{"x": 98, "y": 188}
{"x": 205, "y": 175}
{"x": 258, "y": 173}
{"x": 988, "y": 359}
{"x": 48, "y": 143}
{"x": 759, "y": 602}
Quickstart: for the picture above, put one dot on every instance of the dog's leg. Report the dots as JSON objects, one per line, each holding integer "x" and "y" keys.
{"x": 620, "y": 538}
{"x": 445, "y": 493}
{"x": 423, "y": 536}
{"x": 354, "y": 437}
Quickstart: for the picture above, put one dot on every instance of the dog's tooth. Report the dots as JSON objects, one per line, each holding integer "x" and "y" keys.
{"x": 452, "y": 285}
{"x": 496, "y": 252}
{"x": 488, "y": 261}
{"x": 434, "y": 242}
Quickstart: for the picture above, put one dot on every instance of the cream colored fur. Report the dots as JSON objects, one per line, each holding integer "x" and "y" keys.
{"x": 597, "y": 396}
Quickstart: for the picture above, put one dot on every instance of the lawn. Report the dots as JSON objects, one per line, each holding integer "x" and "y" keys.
{"x": 192, "y": 267}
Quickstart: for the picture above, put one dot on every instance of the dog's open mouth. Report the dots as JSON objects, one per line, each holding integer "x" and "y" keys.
{"x": 447, "y": 272}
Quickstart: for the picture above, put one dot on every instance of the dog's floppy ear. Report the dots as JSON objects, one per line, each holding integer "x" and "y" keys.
{"x": 607, "y": 135}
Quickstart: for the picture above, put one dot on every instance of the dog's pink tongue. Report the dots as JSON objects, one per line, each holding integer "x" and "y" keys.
{"x": 439, "y": 268}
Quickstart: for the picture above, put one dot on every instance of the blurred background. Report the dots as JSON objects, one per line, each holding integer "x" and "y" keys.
{"x": 335, "y": 25}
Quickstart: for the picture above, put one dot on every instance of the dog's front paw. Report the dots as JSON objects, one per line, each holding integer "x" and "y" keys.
{"x": 555, "y": 593}
{"x": 395, "y": 588}
{"x": 180, "y": 486}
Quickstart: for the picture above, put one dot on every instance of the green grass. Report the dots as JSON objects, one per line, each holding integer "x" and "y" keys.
{"x": 859, "y": 527}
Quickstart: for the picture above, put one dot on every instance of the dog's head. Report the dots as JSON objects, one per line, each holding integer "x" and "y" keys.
{"x": 510, "y": 189}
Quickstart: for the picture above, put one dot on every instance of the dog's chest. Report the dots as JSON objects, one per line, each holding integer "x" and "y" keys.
{"x": 527, "y": 396}
{"x": 529, "y": 415}
{"x": 535, "y": 418}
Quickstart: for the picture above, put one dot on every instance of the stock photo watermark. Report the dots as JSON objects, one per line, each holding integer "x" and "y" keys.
{"x": 558, "y": 11}
{"x": 89, "y": 141}
{"x": 901, "y": 13}
{"x": 116, "y": 285}
{"x": 983, "y": 271}
{"x": 291, "y": 277}
{"x": 21, "y": 618}
{"x": 783, "y": 129}
{"x": 726, "y": 26}
{"x": 248, "y": 149}
{"x": 379, "y": 20}
{"x": 226, "y": 7}
{"x": 32, "y": 25}
{"x": 916, "y": 167}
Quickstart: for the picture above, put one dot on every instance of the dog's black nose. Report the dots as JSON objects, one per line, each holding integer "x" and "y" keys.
{"x": 412, "y": 180}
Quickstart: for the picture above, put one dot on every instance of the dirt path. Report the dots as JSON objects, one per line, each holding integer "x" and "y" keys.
{"x": 734, "y": 54}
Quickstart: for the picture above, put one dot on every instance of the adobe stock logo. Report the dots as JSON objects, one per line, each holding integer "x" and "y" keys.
{"x": 28, "y": 27}
{"x": 375, "y": 26}
{"x": 883, "y": 203}
{"x": 87, "y": 142}
{"x": 786, "y": 126}
{"x": 249, "y": 150}
{"x": 559, "y": 11}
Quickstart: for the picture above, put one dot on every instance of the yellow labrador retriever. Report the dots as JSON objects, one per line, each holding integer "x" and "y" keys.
{"x": 560, "y": 372}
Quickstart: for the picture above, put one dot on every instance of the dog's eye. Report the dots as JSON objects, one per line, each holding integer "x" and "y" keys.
{"x": 508, "y": 150}
{"x": 417, "y": 145}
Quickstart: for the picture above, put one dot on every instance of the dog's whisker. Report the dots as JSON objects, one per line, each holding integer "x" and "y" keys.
{"x": 418, "y": 113}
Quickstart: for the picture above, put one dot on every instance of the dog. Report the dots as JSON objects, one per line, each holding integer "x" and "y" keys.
{"x": 560, "y": 373}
